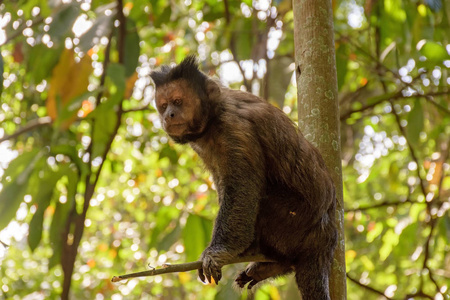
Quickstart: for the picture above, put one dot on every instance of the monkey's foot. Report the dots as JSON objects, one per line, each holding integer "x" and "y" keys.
{"x": 242, "y": 279}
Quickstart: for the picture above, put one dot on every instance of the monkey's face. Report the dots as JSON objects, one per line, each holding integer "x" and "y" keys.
{"x": 179, "y": 108}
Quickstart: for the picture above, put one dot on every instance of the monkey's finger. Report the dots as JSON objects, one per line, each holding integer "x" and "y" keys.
{"x": 207, "y": 273}
{"x": 201, "y": 275}
{"x": 216, "y": 274}
{"x": 252, "y": 284}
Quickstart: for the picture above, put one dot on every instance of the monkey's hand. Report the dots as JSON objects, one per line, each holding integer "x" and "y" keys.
{"x": 213, "y": 259}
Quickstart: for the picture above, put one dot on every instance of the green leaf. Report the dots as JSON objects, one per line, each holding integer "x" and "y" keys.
{"x": 375, "y": 232}
{"x": 434, "y": 52}
{"x": 168, "y": 240}
{"x": 35, "y": 233}
{"x": 415, "y": 123}
{"x": 42, "y": 200}
{"x": 165, "y": 216}
{"x": 390, "y": 239}
{"x": 41, "y": 61}
{"x": 59, "y": 220}
{"x": 132, "y": 49}
{"x": 164, "y": 17}
{"x": 12, "y": 194}
{"x": 105, "y": 114}
{"x": 196, "y": 236}
{"x": 170, "y": 153}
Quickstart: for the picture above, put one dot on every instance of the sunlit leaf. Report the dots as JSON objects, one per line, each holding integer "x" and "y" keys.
{"x": 374, "y": 233}
{"x": 390, "y": 239}
{"x": 196, "y": 236}
{"x": 434, "y": 52}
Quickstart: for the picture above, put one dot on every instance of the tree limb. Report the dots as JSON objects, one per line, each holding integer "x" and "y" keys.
{"x": 382, "y": 204}
{"x": 33, "y": 124}
{"x": 397, "y": 95}
{"x": 190, "y": 266}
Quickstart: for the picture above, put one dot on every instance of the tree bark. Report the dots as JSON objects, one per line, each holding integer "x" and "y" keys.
{"x": 318, "y": 110}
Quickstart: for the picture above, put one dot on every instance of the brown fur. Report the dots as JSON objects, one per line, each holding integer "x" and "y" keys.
{"x": 276, "y": 196}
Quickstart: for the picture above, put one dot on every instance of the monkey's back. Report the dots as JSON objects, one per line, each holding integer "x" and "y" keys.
{"x": 296, "y": 213}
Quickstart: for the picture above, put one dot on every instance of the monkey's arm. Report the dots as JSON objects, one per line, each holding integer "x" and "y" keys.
{"x": 240, "y": 185}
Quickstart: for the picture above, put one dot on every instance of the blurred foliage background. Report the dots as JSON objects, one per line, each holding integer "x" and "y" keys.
{"x": 91, "y": 187}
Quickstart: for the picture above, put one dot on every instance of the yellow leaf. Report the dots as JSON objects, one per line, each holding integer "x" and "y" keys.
{"x": 69, "y": 80}
{"x": 184, "y": 277}
{"x": 274, "y": 294}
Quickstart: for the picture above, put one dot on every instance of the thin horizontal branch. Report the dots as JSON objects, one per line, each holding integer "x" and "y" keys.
{"x": 136, "y": 109}
{"x": 398, "y": 95}
{"x": 33, "y": 124}
{"x": 382, "y": 204}
{"x": 191, "y": 266}
{"x": 367, "y": 287}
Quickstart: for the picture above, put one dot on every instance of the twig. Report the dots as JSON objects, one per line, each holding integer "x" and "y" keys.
{"x": 191, "y": 266}
{"x": 144, "y": 108}
{"x": 382, "y": 204}
{"x": 367, "y": 287}
{"x": 33, "y": 124}
{"x": 397, "y": 95}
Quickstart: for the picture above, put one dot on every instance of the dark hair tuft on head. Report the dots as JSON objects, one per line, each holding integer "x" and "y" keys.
{"x": 187, "y": 70}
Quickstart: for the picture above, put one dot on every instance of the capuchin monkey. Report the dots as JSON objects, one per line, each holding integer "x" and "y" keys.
{"x": 275, "y": 193}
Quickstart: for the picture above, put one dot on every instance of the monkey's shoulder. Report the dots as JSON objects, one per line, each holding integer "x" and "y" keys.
{"x": 244, "y": 106}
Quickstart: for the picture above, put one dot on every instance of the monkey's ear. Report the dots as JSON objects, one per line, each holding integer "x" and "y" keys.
{"x": 212, "y": 89}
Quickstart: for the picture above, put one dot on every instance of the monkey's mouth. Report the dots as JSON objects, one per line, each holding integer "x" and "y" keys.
{"x": 175, "y": 129}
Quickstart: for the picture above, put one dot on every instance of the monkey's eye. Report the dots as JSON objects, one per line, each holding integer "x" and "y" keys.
{"x": 177, "y": 102}
{"x": 164, "y": 106}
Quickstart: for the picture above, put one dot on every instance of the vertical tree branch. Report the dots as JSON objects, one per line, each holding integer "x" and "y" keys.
{"x": 318, "y": 106}
{"x": 70, "y": 248}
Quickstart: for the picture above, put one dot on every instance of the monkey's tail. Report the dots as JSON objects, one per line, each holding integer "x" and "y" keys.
{"x": 312, "y": 280}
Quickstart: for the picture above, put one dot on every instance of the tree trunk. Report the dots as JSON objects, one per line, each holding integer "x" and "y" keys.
{"x": 318, "y": 110}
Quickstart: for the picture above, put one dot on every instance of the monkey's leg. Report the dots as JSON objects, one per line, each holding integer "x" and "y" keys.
{"x": 259, "y": 271}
